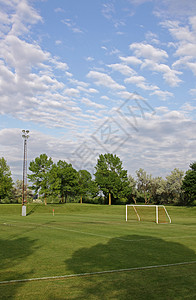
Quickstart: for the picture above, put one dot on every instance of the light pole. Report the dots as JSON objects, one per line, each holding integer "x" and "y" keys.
{"x": 25, "y": 136}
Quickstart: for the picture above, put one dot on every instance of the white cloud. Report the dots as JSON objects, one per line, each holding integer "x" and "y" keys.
{"x": 71, "y": 92}
{"x": 123, "y": 69}
{"x": 24, "y": 14}
{"x": 193, "y": 91}
{"x": 188, "y": 107}
{"x": 114, "y": 51}
{"x": 140, "y": 82}
{"x": 131, "y": 60}
{"x": 29, "y": 88}
{"x": 192, "y": 67}
{"x": 169, "y": 75}
{"x": 193, "y": 22}
{"x": 59, "y": 64}
{"x": 102, "y": 79}
{"x": 87, "y": 90}
{"x": 128, "y": 95}
{"x": 135, "y": 79}
{"x": 152, "y": 37}
{"x": 170, "y": 8}
{"x": 89, "y": 58}
{"x": 58, "y": 42}
{"x": 185, "y": 45}
{"x": 108, "y": 10}
{"x": 148, "y": 51}
{"x": 138, "y": 2}
{"x": 173, "y": 8}
{"x": 147, "y": 87}
{"x": 72, "y": 26}
{"x": 90, "y": 103}
{"x": 186, "y": 49}
{"x": 164, "y": 95}
{"x": 69, "y": 74}
{"x": 77, "y": 82}
{"x": 182, "y": 62}
{"x": 185, "y": 35}
{"x": 105, "y": 98}
{"x": 21, "y": 55}
{"x": 59, "y": 10}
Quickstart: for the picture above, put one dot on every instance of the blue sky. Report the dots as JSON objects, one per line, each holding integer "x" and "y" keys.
{"x": 90, "y": 77}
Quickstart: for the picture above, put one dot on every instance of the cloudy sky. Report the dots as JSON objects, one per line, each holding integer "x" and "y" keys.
{"x": 93, "y": 76}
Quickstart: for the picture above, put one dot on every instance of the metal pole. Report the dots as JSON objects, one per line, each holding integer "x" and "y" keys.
{"x": 24, "y": 171}
{"x": 24, "y": 183}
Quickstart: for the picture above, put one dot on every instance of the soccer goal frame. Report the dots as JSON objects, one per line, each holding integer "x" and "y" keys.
{"x": 156, "y": 215}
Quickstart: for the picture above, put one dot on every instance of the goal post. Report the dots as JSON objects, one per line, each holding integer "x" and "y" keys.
{"x": 153, "y": 213}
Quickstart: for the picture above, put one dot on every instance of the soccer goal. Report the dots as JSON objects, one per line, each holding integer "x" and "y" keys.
{"x": 151, "y": 213}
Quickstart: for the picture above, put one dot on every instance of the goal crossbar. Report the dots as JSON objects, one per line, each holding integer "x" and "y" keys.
{"x": 156, "y": 215}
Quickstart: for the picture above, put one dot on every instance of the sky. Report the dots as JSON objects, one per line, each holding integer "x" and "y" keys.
{"x": 88, "y": 77}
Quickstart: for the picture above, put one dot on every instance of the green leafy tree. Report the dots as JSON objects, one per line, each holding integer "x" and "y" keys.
{"x": 132, "y": 184}
{"x": 40, "y": 169}
{"x": 111, "y": 177}
{"x": 157, "y": 189}
{"x": 144, "y": 182}
{"x": 65, "y": 182}
{"x": 87, "y": 187}
{"x": 173, "y": 186}
{"x": 84, "y": 180}
{"x": 18, "y": 187}
{"x": 189, "y": 185}
{"x": 54, "y": 181}
{"x": 6, "y": 183}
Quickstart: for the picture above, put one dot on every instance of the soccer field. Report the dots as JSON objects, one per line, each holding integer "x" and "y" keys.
{"x": 88, "y": 251}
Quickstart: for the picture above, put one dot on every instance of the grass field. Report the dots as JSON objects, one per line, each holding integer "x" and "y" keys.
{"x": 84, "y": 242}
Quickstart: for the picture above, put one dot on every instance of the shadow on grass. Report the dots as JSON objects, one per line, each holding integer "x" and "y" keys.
{"x": 133, "y": 251}
{"x": 33, "y": 209}
{"x": 12, "y": 267}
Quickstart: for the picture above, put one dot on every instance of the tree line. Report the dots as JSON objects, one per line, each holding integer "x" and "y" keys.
{"x": 60, "y": 182}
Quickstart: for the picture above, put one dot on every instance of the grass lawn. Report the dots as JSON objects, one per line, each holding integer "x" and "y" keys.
{"x": 146, "y": 260}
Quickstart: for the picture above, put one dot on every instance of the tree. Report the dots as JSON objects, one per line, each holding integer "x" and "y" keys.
{"x": 40, "y": 169}
{"x": 111, "y": 178}
{"x": 189, "y": 185}
{"x": 157, "y": 189}
{"x": 144, "y": 182}
{"x": 132, "y": 184}
{"x": 6, "y": 183}
{"x": 87, "y": 187}
{"x": 66, "y": 180}
{"x": 84, "y": 180}
{"x": 18, "y": 187}
{"x": 174, "y": 185}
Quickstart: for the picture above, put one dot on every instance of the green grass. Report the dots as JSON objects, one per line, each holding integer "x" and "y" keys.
{"x": 93, "y": 238}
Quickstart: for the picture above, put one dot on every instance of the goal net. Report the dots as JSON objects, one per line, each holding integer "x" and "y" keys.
{"x": 150, "y": 213}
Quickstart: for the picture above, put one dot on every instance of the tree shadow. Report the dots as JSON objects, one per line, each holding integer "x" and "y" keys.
{"x": 13, "y": 253}
{"x": 133, "y": 251}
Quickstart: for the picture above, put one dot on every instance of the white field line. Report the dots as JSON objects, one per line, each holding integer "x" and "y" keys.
{"x": 98, "y": 272}
{"x": 95, "y": 234}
